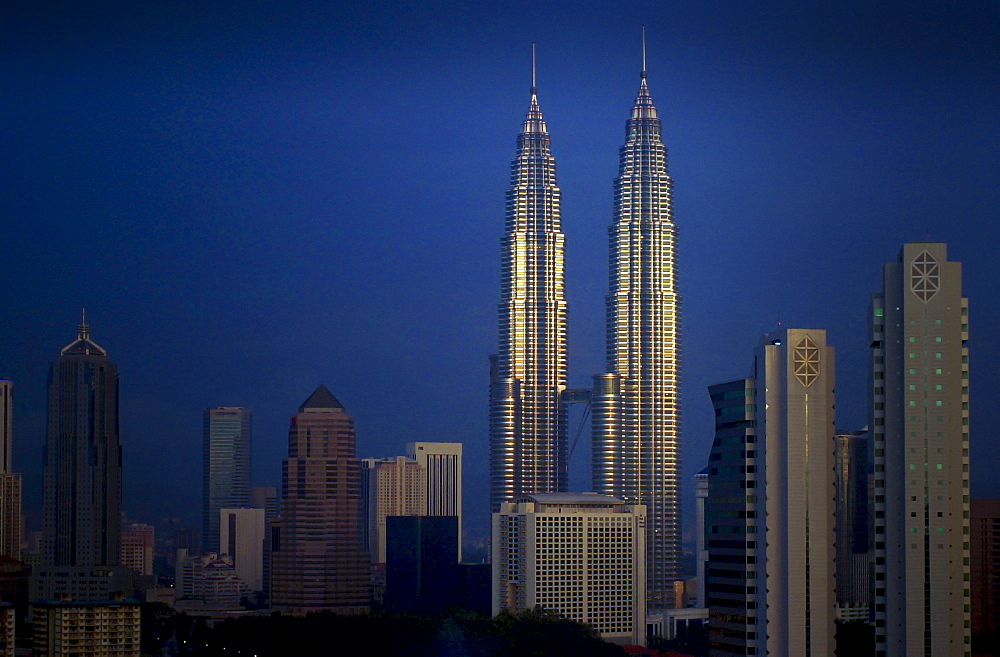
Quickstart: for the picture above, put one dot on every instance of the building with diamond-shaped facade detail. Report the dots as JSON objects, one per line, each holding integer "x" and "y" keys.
{"x": 769, "y": 513}
{"x": 920, "y": 430}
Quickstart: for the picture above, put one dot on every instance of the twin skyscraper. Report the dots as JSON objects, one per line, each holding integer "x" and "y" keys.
{"x": 634, "y": 404}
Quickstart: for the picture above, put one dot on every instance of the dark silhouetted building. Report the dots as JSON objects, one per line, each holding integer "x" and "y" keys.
{"x": 10, "y": 482}
{"x": 854, "y": 572}
{"x": 986, "y": 570}
{"x": 421, "y": 563}
{"x": 316, "y": 559}
{"x": 82, "y": 496}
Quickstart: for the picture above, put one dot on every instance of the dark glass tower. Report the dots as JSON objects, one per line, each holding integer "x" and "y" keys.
{"x": 528, "y": 446}
{"x": 82, "y": 494}
{"x": 225, "y": 468}
{"x": 636, "y": 405}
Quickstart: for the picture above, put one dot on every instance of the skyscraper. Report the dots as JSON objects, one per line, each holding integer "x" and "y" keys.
{"x": 920, "y": 428}
{"x": 528, "y": 444}
{"x": 82, "y": 494}
{"x": 635, "y": 405}
{"x": 769, "y": 513}
{"x": 225, "y": 482}
{"x": 10, "y": 482}
{"x": 442, "y": 465}
{"x": 316, "y": 559}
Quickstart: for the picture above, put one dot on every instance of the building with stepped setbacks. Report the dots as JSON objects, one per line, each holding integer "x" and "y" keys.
{"x": 528, "y": 437}
{"x": 317, "y": 562}
{"x": 636, "y": 403}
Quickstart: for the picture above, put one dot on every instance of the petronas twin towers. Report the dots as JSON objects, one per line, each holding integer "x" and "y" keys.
{"x": 635, "y": 404}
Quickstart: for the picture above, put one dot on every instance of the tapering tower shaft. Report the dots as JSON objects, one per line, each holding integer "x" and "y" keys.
{"x": 636, "y": 409}
{"x": 528, "y": 445}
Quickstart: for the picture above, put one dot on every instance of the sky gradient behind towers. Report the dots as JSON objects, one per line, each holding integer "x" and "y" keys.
{"x": 252, "y": 199}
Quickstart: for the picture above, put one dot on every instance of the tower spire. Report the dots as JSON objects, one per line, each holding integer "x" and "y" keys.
{"x": 534, "y": 87}
{"x": 643, "y": 74}
{"x": 83, "y": 330}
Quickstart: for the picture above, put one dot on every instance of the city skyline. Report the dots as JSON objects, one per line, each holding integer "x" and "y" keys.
{"x": 225, "y": 165}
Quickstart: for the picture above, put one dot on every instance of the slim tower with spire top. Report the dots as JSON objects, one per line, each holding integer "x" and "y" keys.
{"x": 528, "y": 446}
{"x": 635, "y": 405}
{"x": 82, "y": 490}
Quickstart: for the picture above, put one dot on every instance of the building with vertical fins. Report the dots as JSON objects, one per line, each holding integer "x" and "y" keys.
{"x": 225, "y": 482}
{"x": 769, "y": 514}
{"x": 528, "y": 437}
{"x": 636, "y": 405}
{"x": 316, "y": 557}
{"x": 10, "y": 482}
{"x": 920, "y": 428}
{"x": 82, "y": 489}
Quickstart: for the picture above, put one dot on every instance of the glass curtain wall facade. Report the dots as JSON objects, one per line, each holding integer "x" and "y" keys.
{"x": 636, "y": 405}
{"x": 528, "y": 438}
{"x": 225, "y": 468}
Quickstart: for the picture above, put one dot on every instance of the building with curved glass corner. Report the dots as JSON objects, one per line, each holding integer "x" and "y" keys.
{"x": 528, "y": 445}
{"x": 636, "y": 405}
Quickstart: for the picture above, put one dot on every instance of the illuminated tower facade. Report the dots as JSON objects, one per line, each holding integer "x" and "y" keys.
{"x": 635, "y": 405}
{"x": 528, "y": 447}
{"x": 82, "y": 495}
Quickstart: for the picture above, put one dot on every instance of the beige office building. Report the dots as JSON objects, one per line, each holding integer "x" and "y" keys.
{"x": 581, "y": 555}
{"x": 920, "y": 428}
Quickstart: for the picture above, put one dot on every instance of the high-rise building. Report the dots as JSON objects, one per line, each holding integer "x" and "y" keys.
{"x": 528, "y": 438}
{"x": 581, "y": 556}
{"x": 389, "y": 487}
{"x": 82, "y": 495}
{"x": 442, "y": 466}
{"x": 920, "y": 428}
{"x": 636, "y": 404}
{"x": 241, "y": 534}
{"x": 986, "y": 572}
{"x": 316, "y": 559}
{"x": 137, "y": 547}
{"x": 225, "y": 481}
{"x": 854, "y": 573}
{"x": 769, "y": 513}
{"x": 10, "y": 482}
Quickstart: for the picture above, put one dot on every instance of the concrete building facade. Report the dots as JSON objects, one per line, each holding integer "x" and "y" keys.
{"x": 582, "y": 556}
{"x": 241, "y": 535}
{"x": 920, "y": 429}
{"x": 770, "y": 506}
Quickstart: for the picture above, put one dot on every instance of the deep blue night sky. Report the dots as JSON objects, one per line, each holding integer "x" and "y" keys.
{"x": 252, "y": 198}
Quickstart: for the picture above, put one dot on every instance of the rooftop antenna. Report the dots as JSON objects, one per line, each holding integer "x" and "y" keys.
{"x": 534, "y": 89}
